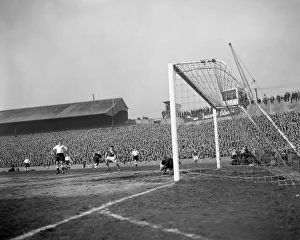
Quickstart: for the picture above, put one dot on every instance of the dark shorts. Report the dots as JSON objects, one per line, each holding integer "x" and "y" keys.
{"x": 136, "y": 158}
{"x": 60, "y": 157}
{"x": 96, "y": 160}
{"x": 27, "y": 164}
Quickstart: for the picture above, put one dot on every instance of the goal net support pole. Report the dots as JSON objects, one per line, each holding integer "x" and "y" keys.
{"x": 173, "y": 123}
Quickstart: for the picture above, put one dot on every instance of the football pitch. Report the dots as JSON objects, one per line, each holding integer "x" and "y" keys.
{"x": 143, "y": 204}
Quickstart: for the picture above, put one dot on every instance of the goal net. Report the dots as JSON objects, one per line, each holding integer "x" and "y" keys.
{"x": 218, "y": 129}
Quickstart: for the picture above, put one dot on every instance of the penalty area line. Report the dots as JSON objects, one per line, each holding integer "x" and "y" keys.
{"x": 154, "y": 226}
{"x": 93, "y": 210}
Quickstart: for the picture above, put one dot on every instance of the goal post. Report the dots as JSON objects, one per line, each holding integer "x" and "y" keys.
{"x": 175, "y": 71}
{"x": 216, "y": 138}
{"x": 173, "y": 123}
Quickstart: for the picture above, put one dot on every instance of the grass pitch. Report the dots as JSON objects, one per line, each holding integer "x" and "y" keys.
{"x": 193, "y": 208}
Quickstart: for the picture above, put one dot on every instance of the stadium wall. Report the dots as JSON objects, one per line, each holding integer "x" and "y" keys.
{"x": 50, "y": 125}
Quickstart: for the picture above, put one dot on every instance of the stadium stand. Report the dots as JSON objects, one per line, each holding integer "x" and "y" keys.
{"x": 152, "y": 141}
{"x": 86, "y": 127}
{"x": 80, "y": 115}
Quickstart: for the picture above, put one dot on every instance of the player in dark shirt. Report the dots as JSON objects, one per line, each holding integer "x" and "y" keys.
{"x": 96, "y": 159}
{"x": 111, "y": 156}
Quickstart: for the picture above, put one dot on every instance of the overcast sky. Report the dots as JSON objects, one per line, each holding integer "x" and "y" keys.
{"x": 63, "y": 51}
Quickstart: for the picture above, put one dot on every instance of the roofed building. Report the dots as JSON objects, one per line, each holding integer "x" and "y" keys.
{"x": 91, "y": 114}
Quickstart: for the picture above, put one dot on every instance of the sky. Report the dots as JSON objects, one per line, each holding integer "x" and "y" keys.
{"x": 64, "y": 51}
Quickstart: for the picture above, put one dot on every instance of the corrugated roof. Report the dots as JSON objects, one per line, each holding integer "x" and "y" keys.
{"x": 58, "y": 111}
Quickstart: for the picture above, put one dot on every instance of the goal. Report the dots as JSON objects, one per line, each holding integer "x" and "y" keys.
{"x": 214, "y": 115}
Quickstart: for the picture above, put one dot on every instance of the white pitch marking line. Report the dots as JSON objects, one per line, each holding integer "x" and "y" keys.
{"x": 103, "y": 206}
{"x": 155, "y": 226}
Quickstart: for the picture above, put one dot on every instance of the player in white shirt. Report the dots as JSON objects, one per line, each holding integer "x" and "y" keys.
{"x": 195, "y": 155}
{"x": 68, "y": 161}
{"x": 135, "y": 156}
{"x": 27, "y": 164}
{"x": 60, "y": 149}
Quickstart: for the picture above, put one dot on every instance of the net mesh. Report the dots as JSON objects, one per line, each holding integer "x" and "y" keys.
{"x": 251, "y": 145}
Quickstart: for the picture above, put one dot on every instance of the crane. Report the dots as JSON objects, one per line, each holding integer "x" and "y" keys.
{"x": 240, "y": 69}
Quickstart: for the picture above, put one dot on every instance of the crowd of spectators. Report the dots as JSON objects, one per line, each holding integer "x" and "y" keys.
{"x": 193, "y": 113}
{"x": 293, "y": 96}
{"x": 154, "y": 141}
{"x": 83, "y": 143}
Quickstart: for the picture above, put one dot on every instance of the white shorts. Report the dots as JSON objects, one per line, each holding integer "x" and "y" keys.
{"x": 162, "y": 167}
{"x": 111, "y": 159}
